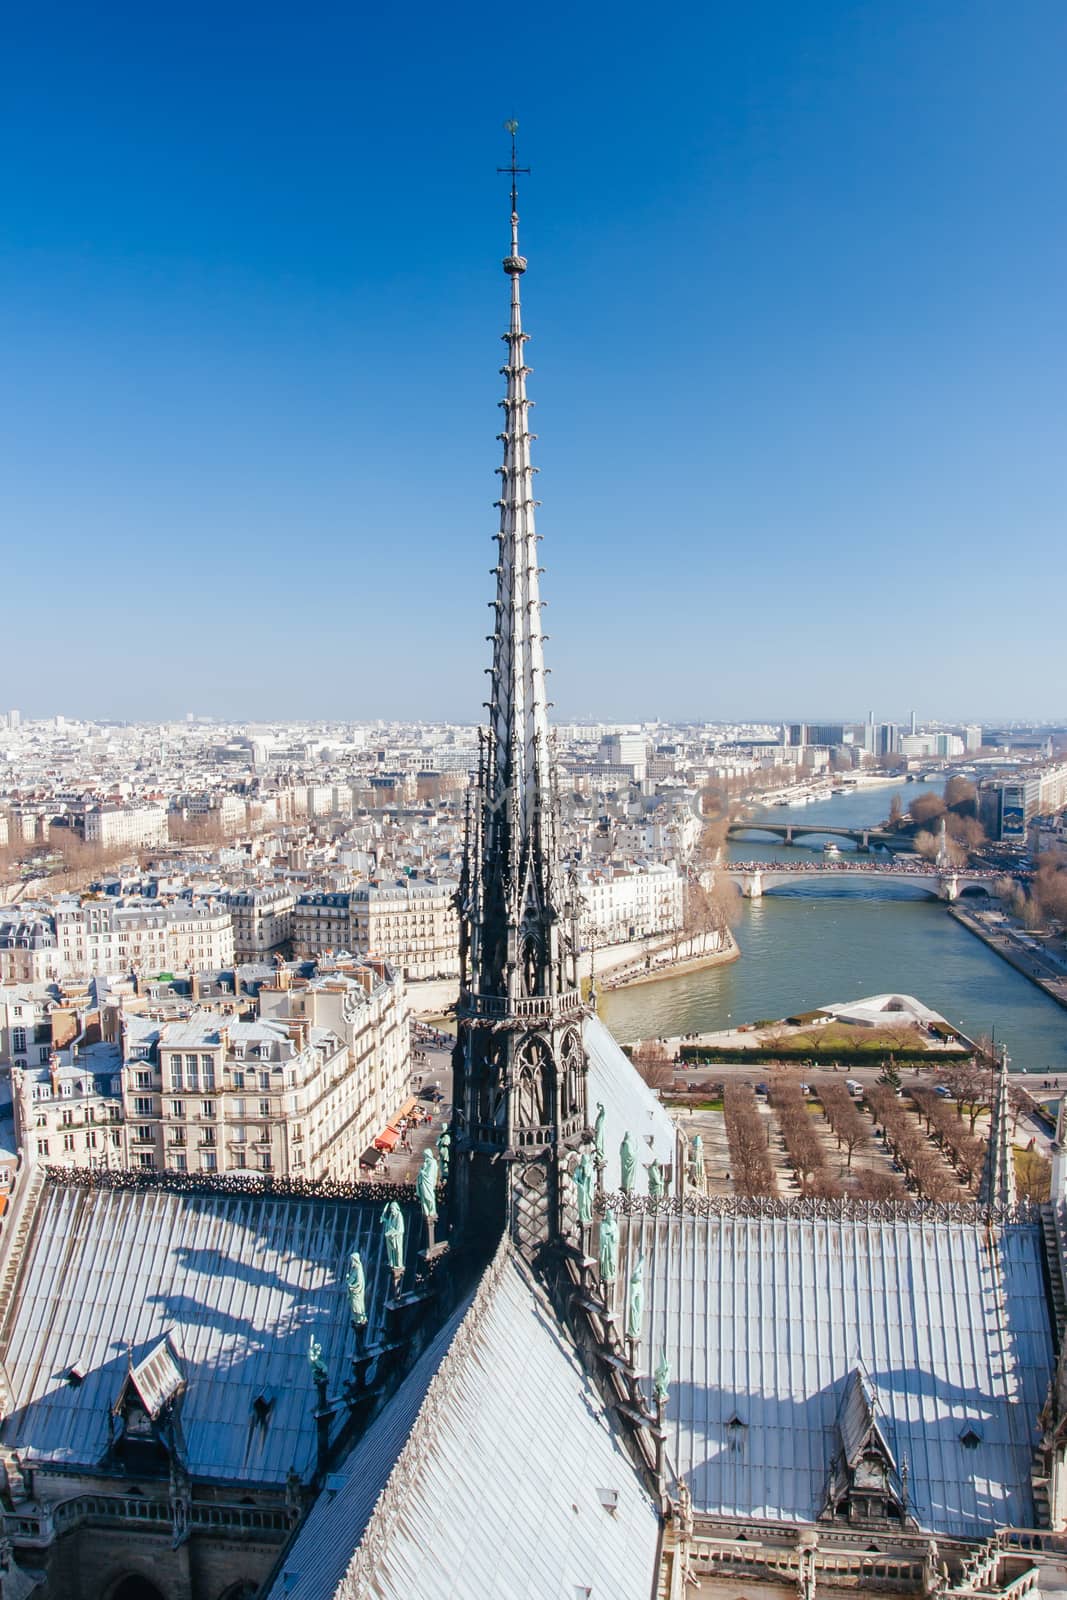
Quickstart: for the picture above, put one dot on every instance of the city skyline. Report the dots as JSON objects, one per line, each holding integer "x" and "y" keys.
{"x": 247, "y": 336}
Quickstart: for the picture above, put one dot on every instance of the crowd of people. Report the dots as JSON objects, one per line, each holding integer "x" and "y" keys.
{"x": 918, "y": 869}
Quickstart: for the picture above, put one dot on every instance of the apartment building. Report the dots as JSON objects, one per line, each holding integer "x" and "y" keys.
{"x": 262, "y": 921}
{"x": 105, "y": 935}
{"x": 409, "y": 922}
{"x": 203, "y": 1095}
{"x": 363, "y": 1003}
{"x": 620, "y": 903}
{"x": 122, "y": 827}
{"x": 68, "y": 1110}
{"x": 29, "y": 949}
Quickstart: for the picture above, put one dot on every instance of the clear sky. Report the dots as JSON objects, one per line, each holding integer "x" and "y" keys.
{"x": 797, "y": 304}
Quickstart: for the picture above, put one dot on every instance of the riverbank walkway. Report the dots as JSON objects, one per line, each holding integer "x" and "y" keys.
{"x": 1016, "y": 945}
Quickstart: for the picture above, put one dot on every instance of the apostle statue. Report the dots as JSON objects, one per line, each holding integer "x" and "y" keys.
{"x": 635, "y": 1300}
{"x": 696, "y": 1164}
{"x": 609, "y": 1248}
{"x": 426, "y": 1185}
{"x": 393, "y": 1233}
{"x": 356, "y": 1284}
{"x": 315, "y": 1361}
{"x": 628, "y": 1163}
{"x": 598, "y": 1131}
{"x": 657, "y": 1184}
{"x": 585, "y": 1183}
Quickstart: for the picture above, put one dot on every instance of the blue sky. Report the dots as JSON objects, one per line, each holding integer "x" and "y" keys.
{"x": 798, "y": 331}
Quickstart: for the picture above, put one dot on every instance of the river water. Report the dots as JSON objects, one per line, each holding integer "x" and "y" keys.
{"x": 831, "y": 941}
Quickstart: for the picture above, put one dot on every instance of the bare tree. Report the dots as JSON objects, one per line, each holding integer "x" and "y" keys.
{"x": 849, "y": 1126}
{"x": 883, "y": 1186}
{"x": 926, "y": 808}
{"x": 652, "y": 1060}
{"x": 747, "y": 1139}
{"x": 1033, "y": 1176}
{"x": 961, "y": 796}
{"x": 969, "y": 1084}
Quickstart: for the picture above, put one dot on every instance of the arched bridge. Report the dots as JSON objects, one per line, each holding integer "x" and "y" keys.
{"x": 757, "y": 878}
{"x": 788, "y": 832}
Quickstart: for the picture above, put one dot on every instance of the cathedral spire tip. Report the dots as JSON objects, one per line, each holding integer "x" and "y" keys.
{"x": 514, "y": 264}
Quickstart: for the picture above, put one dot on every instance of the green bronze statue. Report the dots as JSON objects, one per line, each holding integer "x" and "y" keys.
{"x": 661, "y": 1380}
{"x": 315, "y": 1361}
{"x": 356, "y": 1284}
{"x": 598, "y": 1131}
{"x": 393, "y": 1233}
{"x": 608, "y": 1252}
{"x": 635, "y": 1300}
{"x": 426, "y": 1185}
{"x": 627, "y": 1163}
{"x": 585, "y": 1183}
{"x": 657, "y": 1185}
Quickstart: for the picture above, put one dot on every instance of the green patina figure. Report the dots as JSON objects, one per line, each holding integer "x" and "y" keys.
{"x": 657, "y": 1185}
{"x": 393, "y": 1233}
{"x": 444, "y": 1150}
{"x": 585, "y": 1183}
{"x": 661, "y": 1380}
{"x": 315, "y": 1361}
{"x": 627, "y": 1163}
{"x": 696, "y": 1163}
{"x": 609, "y": 1248}
{"x": 426, "y": 1186}
{"x": 356, "y": 1284}
{"x": 598, "y": 1131}
{"x": 635, "y": 1300}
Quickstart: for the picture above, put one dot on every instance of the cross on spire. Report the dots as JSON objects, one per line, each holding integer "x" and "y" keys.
{"x": 512, "y": 127}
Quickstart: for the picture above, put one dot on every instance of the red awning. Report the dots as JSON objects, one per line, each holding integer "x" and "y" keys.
{"x": 387, "y": 1139}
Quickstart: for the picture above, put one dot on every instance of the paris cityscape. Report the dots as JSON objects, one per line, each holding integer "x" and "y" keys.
{"x": 465, "y": 1131}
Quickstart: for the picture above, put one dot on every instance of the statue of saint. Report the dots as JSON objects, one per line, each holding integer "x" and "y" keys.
{"x": 661, "y": 1380}
{"x": 356, "y": 1284}
{"x": 635, "y": 1300}
{"x": 585, "y": 1183}
{"x": 393, "y": 1233}
{"x": 598, "y": 1131}
{"x": 628, "y": 1163}
{"x": 426, "y": 1185}
{"x": 609, "y": 1248}
{"x": 444, "y": 1150}
{"x": 696, "y": 1164}
{"x": 657, "y": 1186}
{"x": 315, "y": 1361}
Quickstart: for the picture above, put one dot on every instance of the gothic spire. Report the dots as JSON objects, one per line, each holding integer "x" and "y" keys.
{"x": 997, "y": 1187}
{"x": 521, "y": 773}
{"x": 519, "y": 1067}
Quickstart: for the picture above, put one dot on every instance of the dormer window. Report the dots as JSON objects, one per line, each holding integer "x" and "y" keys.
{"x": 971, "y": 1437}
{"x": 736, "y": 1430}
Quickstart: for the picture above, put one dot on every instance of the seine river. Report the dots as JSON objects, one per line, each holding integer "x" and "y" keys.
{"x": 831, "y": 941}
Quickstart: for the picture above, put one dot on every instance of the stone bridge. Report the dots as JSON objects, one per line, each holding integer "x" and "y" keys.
{"x": 758, "y": 878}
{"x": 788, "y": 832}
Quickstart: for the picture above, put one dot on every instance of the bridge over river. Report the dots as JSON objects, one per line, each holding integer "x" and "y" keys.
{"x": 789, "y": 832}
{"x": 757, "y": 878}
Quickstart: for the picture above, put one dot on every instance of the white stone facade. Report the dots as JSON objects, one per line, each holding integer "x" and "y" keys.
{"x": 119, "y": 827}
{"x": 633, "y": 902}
